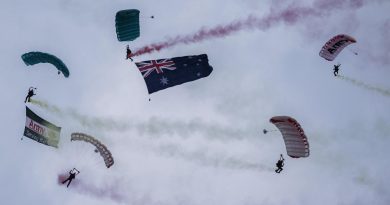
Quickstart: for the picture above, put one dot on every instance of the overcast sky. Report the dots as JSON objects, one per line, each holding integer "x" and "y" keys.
{"x": 200, "y": 142}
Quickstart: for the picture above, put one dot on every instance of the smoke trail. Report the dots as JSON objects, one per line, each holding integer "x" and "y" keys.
{"x": 361, "y": 84}
{"x": 155, "y": 127}
{"x": 291, "y": 15}
{"x": 201, "y": 157}
{"x": 110, "y": 191}
{"x": 86, "y": 121}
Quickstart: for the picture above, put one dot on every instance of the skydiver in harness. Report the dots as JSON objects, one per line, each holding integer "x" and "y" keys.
{"x": 336, "y": 69}
{"x": 128, "y": 53}
{"x": 72, "y": 175}
{"x": 280, "y": 164}
{"x": 30, "y": 94}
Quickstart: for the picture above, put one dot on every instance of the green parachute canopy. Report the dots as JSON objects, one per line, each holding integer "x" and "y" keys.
{"x": 33, "y": 58}
{"x": 127, "y": 24}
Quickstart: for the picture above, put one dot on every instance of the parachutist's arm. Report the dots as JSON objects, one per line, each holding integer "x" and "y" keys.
{"x": 78, "y": 172}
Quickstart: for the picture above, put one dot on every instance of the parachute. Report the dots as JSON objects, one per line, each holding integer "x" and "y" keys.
{"x": 127, "y": 25}
{"x": 335, "y": 45}
{"x": 294, "y": 137}
{"x": 101, "y": 148}
{"x": 33, "y": 58}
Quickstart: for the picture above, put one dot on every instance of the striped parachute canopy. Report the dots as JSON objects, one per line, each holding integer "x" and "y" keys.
{"x": 127, "y": 25}
{"x": 101, "y": 148}
{"x": 294, "y": 137}
{"x": 33, "y": 58}
{"x": 335, "y": 45}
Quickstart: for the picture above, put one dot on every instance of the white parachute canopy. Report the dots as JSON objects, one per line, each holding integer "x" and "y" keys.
{"x": 294, "y": 137}
{"x": 99, "y": 147}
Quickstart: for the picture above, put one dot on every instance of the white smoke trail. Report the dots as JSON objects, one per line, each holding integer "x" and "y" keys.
{"x": 384, "y": 92}
{"x": 154, "y": 127}
{"x": 201, "y": 157}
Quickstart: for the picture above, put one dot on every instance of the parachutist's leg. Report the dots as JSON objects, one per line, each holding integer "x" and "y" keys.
{"x": 69, "y": 182}
{"x": 65, "y": 181}
{"x": 26, "y": 99}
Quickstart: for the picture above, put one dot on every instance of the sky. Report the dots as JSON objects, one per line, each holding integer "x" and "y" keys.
{"x": 199, "y": 142}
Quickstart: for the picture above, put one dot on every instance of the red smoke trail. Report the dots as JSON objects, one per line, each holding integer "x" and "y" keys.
{"x": 105, "y": 191}
{"x": 291, "y": 15}
{"x": 61, "y": 178}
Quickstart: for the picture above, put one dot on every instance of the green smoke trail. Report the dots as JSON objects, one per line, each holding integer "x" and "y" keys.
{"x": 46, "y": 106}
{"x": 86, "y": 121}
{"x": 361, "y": 84}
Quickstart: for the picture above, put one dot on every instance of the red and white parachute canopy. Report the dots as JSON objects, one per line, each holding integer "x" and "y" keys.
{"x": 335, "y": 45}
{"x": 293, "y": 135}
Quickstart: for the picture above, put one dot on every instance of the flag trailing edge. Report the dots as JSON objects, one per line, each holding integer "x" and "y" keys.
{"x": 41, "y": 130}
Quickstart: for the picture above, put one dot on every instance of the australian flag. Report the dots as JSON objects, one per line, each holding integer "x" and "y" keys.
{"x": 164, "y": 73}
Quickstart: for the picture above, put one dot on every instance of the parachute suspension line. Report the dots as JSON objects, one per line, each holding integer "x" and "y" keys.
{"x": 149, "y": 17}
{"x": 354, "y": 52}
{"x": 266, "y": 131}
{"x": 86, "y": 157}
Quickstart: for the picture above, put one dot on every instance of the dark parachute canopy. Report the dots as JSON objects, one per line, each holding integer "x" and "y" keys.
{"x": 127, "y": 24}
{"x": 293, "y": 135}
{"x": 32, "y": 58}
{"x": 101, "y": 148}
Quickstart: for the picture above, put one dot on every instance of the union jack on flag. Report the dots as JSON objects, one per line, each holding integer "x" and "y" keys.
{"x": 147, "y": 67}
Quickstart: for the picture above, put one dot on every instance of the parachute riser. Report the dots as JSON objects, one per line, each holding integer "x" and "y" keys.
{"x": 266, "y": 131}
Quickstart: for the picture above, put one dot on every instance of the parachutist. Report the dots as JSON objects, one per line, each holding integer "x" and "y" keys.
{"x": 29, "y": 94}
{"x": 336, "y": 69}
{"x": 128, "y": 53}
{"x": 72, "y": 175}
{"x": 280, "y": 164}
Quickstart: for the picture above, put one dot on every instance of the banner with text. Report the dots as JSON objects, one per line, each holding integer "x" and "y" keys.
{"x": 41, "y": 130}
